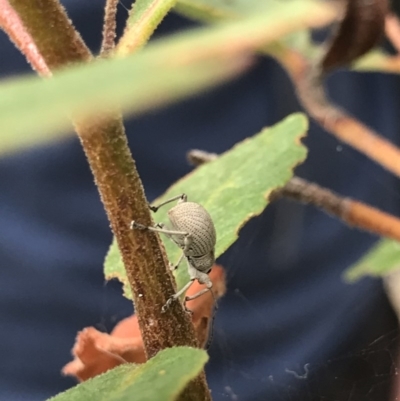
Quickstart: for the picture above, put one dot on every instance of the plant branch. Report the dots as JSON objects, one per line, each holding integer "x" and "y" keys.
{"x": 392, "y": 29}
{"x": 351, "y": 212}
{"x": 144, "y": 18}
{"x": 109, "y": 27}
{"x": 105, "y": 145}
{"x": 52, "y": 31}
{"x": 333, "y": 119}
{"x": 13, "y": 27}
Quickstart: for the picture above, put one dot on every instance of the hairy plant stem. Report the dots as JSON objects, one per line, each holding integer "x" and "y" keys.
{"x": 53, "y": 33}
{"x": 12, "y": 25}
{"x": 105, "y": 144}
{"x": 109, "y": 27}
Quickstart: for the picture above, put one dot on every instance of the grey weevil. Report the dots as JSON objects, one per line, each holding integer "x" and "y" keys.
{"x": 194, "y": 232}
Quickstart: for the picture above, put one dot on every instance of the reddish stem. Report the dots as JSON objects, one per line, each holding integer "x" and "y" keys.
{"x": 13, "y": 27}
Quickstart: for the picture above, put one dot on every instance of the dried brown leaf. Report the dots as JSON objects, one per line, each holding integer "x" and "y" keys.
{"x": 360, "y": 30}
{"x": 95, "y": 352}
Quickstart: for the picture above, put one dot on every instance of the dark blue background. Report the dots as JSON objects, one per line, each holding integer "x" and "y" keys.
{"x": 286, "y": 304}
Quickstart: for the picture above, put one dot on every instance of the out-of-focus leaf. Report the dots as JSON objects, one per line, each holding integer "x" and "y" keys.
{"x": 233, "y": 188}
{"x": 360, "y": 30}
{"x": 34, "y": 111}
{"x": 381, "y": 259}
{"x": 215, "y": 10}
{"x": 167, "y": 70}
{"x": 162, "y": 378}
{"x": 222, "y": 10}
{"x": 378, "y": 60}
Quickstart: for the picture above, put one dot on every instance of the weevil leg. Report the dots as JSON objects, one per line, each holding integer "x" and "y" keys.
{"x": 198, "y": 294}
{"x": 187, "y": 242}
{"x": 182, "y": 198}
{"x": 168, "y": 232}
{"x": 202, "y": 278}
{"x": 157, "y": 228}
{"x": 177, "y": 295}
{"x": 194, "y": 274}
{"x": 173, "y": 267}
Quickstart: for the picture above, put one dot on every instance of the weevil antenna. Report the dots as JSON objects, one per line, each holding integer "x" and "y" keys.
{"x": 211, "y": 330}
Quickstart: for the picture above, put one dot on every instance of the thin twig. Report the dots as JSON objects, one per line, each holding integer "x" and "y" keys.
{"x": 309, "y": 193}
{"x": 141, "y": 25}
{"x": 392, "y": 29}
{"x": 351, "y": 212}
{"x": 109, "y": 27}
{"x": 335, "y": 120}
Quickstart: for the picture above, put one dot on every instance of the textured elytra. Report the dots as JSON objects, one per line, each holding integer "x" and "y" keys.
{"x": 192, "y": 218}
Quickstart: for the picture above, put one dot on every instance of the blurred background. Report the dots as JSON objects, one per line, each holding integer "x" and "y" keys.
{"x": 288, "y": 328}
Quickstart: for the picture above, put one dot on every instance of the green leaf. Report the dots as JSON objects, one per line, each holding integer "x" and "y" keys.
{"x": 143, "y": 20}
{"x": 377, "y": 60}
{"x": 167, "y": 70}
{"x": 234, "y": 188}
{"x": 381, "y": 259}
{"x": 34, "y": 111}
{"x": 162, "y": 378}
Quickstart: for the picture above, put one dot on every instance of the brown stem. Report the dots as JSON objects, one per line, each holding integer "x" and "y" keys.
{"x": 122, "y": 194}
{"x": 109, "y": 27}
{"x": 105, "y": 145}
{"x": 52, "y": 31}
{"x": 13, "y": 27}
{"x": 310, "y": 193}
{"x": 336, "y": 121}
{"x": 352, "y": 212}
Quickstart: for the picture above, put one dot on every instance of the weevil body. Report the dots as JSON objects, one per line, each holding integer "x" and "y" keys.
{"x": 194, "y": 232}
{"x": 192, "y": 218}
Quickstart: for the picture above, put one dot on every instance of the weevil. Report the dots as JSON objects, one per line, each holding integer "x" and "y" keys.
{"x": 192, "y": 229}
